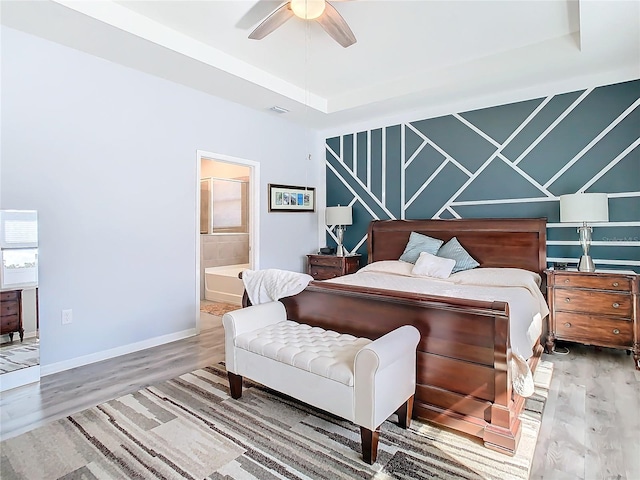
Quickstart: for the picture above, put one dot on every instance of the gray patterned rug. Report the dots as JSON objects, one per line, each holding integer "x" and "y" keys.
{"x": 189, "y": 427}
{"x": 17, "y": 355}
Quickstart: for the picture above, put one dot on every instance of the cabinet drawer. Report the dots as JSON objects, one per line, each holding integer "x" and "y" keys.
{"x": 9, "y": 324}
{"x": 590, "y": 301}
{"x": 324, "y": 273}
{"x": 594, "y": 330}
{"x": 604, "y": 282}
{"x": 9, "y": 308}
{"x": 6, "y": 296}
{"x": 329, "y": 261}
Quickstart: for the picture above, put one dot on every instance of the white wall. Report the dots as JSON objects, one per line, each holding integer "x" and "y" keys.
{"x": 107, "y": 155}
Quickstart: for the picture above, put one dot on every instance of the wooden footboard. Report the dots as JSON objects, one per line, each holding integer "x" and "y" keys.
{"x": 462, "y": 377}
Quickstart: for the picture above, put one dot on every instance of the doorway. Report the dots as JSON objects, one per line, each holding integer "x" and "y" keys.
{"x": 228, "y": 212}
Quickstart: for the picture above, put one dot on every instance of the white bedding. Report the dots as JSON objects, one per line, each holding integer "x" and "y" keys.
{"x": 519, "y": 288}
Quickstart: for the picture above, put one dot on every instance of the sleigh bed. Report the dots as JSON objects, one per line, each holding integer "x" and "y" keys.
{"x": 464, "y": 379}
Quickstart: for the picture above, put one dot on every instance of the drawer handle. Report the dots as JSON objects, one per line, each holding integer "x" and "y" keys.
{"x": 616, "y": 331}
{"x": 616, "y": 305}
{"x": 566, "y": 281}
{"x": 567, "y": 300}
{"x": 615, "y": 284}
{"x": 568, "y": 325}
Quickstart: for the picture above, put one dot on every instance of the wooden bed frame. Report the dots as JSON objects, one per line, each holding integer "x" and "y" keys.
{"x": 463, "y": 379}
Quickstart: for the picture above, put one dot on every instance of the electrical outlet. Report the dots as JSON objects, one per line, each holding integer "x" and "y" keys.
{"x": 67, "y": 316}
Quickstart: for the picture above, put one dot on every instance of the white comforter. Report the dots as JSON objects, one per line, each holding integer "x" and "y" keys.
{"x": 519, "y": 288}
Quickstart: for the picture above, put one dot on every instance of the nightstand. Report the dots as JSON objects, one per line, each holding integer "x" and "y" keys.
{"x": 11, "y": 313}
{"x": 323, "y": 267}
{"x": 594, "y": 308}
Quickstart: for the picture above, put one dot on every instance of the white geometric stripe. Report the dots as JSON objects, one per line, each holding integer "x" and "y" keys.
{"x": 364, "y": 204}
{"x": 611, "y": 164}
{"x": 593, "y": 142}
{"x": 550, "y": 128}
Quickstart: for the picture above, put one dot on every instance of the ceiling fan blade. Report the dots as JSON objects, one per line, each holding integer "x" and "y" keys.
{"x": 336, "y": 27}
{"x": 273, "y": 21}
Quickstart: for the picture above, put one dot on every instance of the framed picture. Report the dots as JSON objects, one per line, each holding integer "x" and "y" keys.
{"x": 287, "y": 198}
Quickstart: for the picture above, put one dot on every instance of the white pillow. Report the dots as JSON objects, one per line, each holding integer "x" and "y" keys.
{"x": 429, "y": 265}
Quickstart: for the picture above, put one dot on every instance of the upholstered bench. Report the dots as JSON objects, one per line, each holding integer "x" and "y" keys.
{"x": 357, "y": 379}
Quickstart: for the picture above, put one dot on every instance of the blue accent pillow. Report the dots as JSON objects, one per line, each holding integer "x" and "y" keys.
{"x": 453, "y": 250}
{"x": 419, "y": 243}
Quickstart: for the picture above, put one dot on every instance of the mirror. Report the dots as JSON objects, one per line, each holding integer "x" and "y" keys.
{"x": 19, "y": 323}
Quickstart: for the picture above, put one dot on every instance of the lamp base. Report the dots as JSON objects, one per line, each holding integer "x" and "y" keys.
{"x": 340, "y": 251}
{"x": 586, "y": 264}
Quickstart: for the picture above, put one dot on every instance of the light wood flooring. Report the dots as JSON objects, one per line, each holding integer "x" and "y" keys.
{"x": 590, "y": 428}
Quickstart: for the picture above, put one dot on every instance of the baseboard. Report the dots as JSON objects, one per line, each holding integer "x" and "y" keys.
{"x": 18, "y": 378}
{"x": 114, "y": 352}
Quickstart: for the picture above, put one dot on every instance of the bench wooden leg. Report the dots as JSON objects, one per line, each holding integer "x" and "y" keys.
{"x": 235, "y": 385}
{"x": 405, "y": 412}
{"x": 369, "y": 444}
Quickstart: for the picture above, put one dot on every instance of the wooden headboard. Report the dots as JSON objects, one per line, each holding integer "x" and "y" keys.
{"x": 493, "y": 242}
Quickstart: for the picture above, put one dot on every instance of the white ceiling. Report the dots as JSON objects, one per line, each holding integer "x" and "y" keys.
{"x": 410, "y": 55}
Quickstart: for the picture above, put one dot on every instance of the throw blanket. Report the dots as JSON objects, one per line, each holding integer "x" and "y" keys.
{"x": 272, "y": 284}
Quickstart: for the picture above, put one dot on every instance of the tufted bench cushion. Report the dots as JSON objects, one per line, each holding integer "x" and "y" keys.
{"x": 323, "y": 352}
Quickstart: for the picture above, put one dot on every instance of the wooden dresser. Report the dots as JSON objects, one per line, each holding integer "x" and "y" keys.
{"x": 594, "y": 308}
{"x": 323, "y": 267}
{"x": 11, "y": 313}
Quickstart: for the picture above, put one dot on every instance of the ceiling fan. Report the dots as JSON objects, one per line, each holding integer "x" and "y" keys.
{"x": 319, "y": 10}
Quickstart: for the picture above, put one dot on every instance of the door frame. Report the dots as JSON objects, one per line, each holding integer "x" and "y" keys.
{"x": 254, "y": 213}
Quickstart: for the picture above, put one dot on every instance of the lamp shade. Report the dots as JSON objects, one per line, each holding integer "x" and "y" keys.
{"x": 584, "y": 207}
{"x": 338, "y": 216}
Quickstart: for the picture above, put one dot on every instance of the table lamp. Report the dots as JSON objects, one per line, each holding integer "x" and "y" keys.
{"x": 584, "y": 207}
{"x": 340, "y": 217}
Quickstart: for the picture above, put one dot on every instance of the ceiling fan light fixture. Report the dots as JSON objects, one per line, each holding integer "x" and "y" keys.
{"x": 308, "y": 9}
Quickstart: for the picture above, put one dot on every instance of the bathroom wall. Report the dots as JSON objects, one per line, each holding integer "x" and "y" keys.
{"x": 222, "y": 249}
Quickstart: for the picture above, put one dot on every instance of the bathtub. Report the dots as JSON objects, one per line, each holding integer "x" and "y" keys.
{"x": 221, "y": 284}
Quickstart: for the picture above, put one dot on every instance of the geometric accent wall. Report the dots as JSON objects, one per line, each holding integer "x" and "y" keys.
{"x": 511, "y": 160}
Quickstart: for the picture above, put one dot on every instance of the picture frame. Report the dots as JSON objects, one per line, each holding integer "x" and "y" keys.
{"x": 289, "y": 198}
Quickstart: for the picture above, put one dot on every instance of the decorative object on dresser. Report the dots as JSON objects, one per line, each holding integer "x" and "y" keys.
{"x": 340, "y": 217}
{"x": 583, "y": 208}
{"x": 594, "y": 308}
{"x": 11, "y": 313}
{"x": 323, "y": 267}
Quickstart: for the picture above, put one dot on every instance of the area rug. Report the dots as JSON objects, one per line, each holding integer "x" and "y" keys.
{"x": 17, "y": 355}
{"x": 218, "y": 308}
{"x": 189, "y": 427}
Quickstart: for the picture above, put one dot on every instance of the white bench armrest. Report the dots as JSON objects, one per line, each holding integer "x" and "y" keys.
{"x": 393, "y": 345}
{"x": 389, "y": 360}
{"x": 246, "y": 320}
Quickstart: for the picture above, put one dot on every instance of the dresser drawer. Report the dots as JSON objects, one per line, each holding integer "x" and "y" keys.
{"x": 603, "y": 282}
{"x": 329, "y": 261}
{"x": 324, "y": 273}
{"x": 589, "y": 301}
{"x": 9, "y": 308}
{"x": 7, "y": 296}
{"x": 594, "y": 330}
{"x": 10, "y": 324}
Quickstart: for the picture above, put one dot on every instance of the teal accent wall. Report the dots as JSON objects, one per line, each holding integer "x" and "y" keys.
{"x": 511, "y": 160}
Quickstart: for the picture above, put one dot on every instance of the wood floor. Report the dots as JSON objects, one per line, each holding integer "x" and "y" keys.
{"x": 590, "y": 428}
